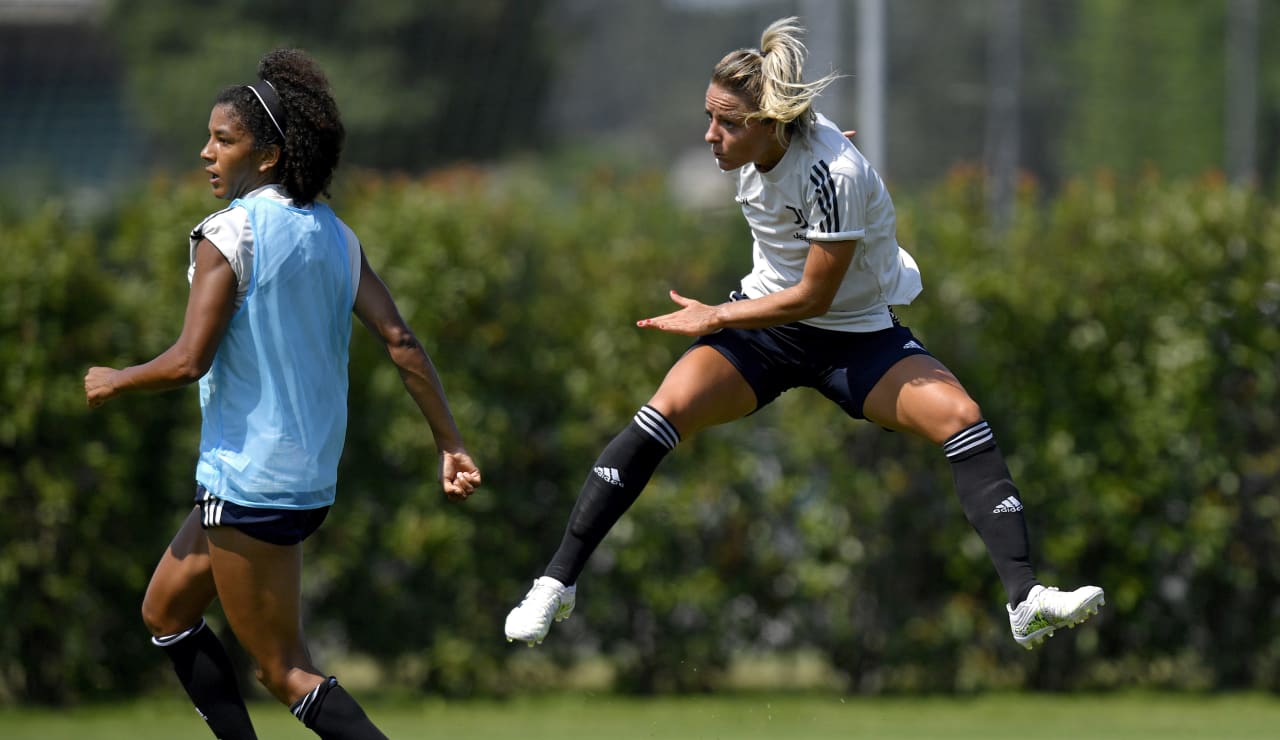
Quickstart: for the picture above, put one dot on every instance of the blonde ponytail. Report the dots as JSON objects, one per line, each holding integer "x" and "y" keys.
{"x": 772, "y": 78}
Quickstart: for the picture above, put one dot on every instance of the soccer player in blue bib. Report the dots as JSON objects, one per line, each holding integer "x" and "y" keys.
{"x": 815, "y": 311}
{"x": 275, "y": 278}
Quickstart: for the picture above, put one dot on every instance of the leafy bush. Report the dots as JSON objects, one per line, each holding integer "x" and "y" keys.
{"x": 1121, "y": 338}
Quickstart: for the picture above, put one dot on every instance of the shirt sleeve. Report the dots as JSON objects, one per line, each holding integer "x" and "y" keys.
{"x": 837, "y": 209}
{"x": 229, "y": 232}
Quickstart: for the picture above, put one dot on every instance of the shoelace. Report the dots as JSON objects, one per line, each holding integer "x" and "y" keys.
{"x": 542, "y": 592}
{"x": 1048, "y": 590}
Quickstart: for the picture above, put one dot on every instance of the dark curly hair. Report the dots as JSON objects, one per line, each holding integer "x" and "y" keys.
{"x": 313, "y": 127}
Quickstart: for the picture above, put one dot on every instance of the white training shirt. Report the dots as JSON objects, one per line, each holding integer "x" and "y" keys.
{"x": 824, "y": 190}
{"x": 231, "y": 233}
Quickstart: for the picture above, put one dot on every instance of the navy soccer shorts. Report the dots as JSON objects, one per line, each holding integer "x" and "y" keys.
{"x": 277, "y": 526}
{"x": 843, "y": 366}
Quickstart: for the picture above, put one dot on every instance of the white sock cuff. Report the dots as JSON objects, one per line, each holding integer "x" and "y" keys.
{"x": 656, "y": 425}
{"x": 167, "y": 640}
{"x": 968, "y": 441}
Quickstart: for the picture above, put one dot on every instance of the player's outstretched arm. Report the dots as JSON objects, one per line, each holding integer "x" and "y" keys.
{"x": 377, "y": 310}
{"x": 824, "y": 270}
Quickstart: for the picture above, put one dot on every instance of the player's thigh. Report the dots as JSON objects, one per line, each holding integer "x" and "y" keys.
{"x": 182, "y": 586}
{"x": 918, "y": 394}
{"x": 259, "y": 585}
{"x": 701, "y": 390}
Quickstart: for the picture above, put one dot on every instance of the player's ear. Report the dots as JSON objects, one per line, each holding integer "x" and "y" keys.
{"x": 270, "y": 158}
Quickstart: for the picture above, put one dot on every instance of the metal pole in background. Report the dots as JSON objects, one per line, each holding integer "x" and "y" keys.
{"x": 870, "y": 120}
{"x": 1241, "y": 118}
{"x": 1004, "y": 73}
{"x": 825, "y": 23}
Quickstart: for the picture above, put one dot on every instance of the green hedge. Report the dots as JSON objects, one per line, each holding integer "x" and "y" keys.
{"x": 1122, "y": 340}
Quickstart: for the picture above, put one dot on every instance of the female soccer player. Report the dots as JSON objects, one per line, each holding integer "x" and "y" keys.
{"x": 815, "y": 311}
{"x": 274, "y": 279}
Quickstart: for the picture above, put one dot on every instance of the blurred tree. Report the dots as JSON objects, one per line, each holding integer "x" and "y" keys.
{"x": 1269, "y": 95}
{"x": 420, "y": 84}
{"x": 1105, "y": 85}
{"x": 938, "y": 88}
{"x": 1149, "y": 87}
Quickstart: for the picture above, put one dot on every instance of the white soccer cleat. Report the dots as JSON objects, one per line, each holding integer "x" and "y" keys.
{"x": 1047, "y": 609}
{"x": 548, "y": 601}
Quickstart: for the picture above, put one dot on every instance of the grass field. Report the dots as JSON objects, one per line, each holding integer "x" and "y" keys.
{"x": 736, "y": 717}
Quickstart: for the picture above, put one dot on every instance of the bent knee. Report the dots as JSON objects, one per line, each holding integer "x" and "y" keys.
{"x": 960, "y": 413}
{"x": 162, "y": 622}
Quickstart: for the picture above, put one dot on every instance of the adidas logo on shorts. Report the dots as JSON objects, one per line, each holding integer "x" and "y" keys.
{"x": 913, "y": 344}
{"x": 1008, "y": 506}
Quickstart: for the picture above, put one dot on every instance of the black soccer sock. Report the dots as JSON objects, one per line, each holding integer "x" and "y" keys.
{"x": 330, "y": 712}
{"x": 205, "y": 670}
{"x": 991, "y": 504}
{"x": 614, "y": 483}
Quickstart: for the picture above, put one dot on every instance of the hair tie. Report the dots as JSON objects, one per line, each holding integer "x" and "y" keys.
{"x": 265, "y": 92}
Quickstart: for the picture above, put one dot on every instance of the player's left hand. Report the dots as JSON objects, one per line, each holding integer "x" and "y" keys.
{"x": 459, "y": 475}
{"x": 694, "y": 319}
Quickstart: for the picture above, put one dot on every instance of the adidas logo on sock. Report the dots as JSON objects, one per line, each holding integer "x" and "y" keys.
{"x": 913, "y": 344}
{"x": 1008, "y": 506}
{"x": 611, "y": 476}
